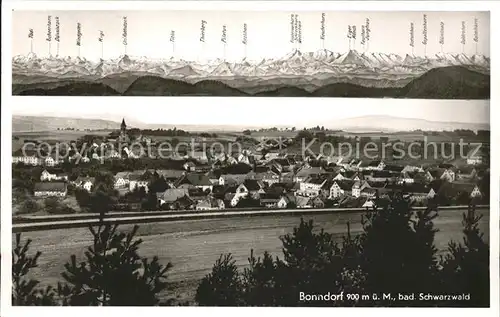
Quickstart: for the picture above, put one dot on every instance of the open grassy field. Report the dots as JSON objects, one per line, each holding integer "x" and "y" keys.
{"x": 227, "y": 137}
{"x": 52, "y": 136}
{"x": 271, "y": 134}
{"x": 62, "y": 135}
{"x": 193, "y": 246}
{"x": 405, "y": 136}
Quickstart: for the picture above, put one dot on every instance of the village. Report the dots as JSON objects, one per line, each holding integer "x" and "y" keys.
{"x": 245, "y": 179}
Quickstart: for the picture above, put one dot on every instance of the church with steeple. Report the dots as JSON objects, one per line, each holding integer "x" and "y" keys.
{"x": 123, "y": 132}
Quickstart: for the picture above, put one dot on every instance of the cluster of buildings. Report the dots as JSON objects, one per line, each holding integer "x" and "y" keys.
{"x": 282, "y": 182}
{"x": 278, "y": 180}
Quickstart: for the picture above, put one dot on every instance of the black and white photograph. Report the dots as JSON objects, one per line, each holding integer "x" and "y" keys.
{"x": 262, "y": 209}
{"x": 139, "y": 169}
{"x": 425, "y": 55}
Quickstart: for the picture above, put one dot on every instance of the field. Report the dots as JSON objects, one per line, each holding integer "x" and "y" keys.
{"x": 60, "y": 135}
{"x": 229, "y": 137}
{"x": 52, "y": 136}
{"x": 193, "y": 246}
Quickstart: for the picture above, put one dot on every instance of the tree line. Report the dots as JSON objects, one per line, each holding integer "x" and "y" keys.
{"x": 393, "y": 253}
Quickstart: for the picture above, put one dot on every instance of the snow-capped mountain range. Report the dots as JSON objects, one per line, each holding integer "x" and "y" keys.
{"x": 295, "y": 63}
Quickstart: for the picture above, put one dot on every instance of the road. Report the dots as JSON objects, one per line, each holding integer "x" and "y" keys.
{"x": 38, "y": 223}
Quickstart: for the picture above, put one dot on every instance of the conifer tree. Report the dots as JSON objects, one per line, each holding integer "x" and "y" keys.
{"x": 466, "y": 267}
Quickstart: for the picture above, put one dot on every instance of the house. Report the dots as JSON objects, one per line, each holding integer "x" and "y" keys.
{"x": 189, "y": 166}
{"x": 271, "y": 156}
{"x": 219, "y": 191}
{"x": 86, "y": 183}
{"x": 287, "y": 178}
{"x": 199, "y": 156}
{"x": 353, "y": 175}
{"x": 355, "y": 164}
{"x": 362, "y": 189}
{"x": 250, "y": 187}
{"x": 429, "y": 176}
{"x": 137, "y": 181}
{"x": 375, "y": 165}
{"x": 368, "y": 204}
{"x": 268, "y": 177}
{"x": 197, "y": 194}
{"x": 411, "y": 168}
{"x": 381, "y": 189}
{"x": 381, "y": 176}
{"x": 471, "y": 189}
{"x": 476, "y": 192}
{"x": 317, "y": 202}
{"x": 171, "y": 175}
{"x": 474, "y": 156}
{"x": 197, "y": 180}
{"x": 356, "y": 189}
{"x": 233, "y": 194}
{"x": 233, "y": 199}
{"x": 77, "y": 158}
{"x": 243, "y": 158}
{"x": 184, "y": 203}
{"x": 26, "y": 156}
{"x": 303, "y": 202}
{"x": 113, "y": 154}
{"x": 368, "y": 192}
{"x": 448, "y": 175}
{"x": 394, "y": 168}
{"x": 231, "y": 160}
{"x": 311, "y": 187}
{"x": 418, "y": 192}
{"x": 466, "y": 173}
{"x": 445, "y": 166}
{"x": 170, "y": 196}
{"x": 50, "y": 161}
{"x": 281, "y": 188}
{"x": 307, "y": 172}
{"x": 275, "y": 167}
{"x": 46, "y": 176}
{"x": 343, "y": 161}
{"x": 339, "y": 177}
{"x": 420, "y": 177}
{"x": 431, "y": 194}
{"x": 232, "y": 179}
{"x": 285, "y": 164}
{"x": 122, "y": 180}
{"x": 210, "y": 204}
{"x": 340, "y": 188}
{"x": 202, "y": 168}
{"x": 406, "y": 178}
{"x": 213, "y": 177}
{"x": 50, "y": 189}
{"x": 272, "y": 200}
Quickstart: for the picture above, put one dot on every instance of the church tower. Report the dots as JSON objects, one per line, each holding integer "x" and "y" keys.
{"x": 123, "y": 126}
{"x": 123, "y": 131}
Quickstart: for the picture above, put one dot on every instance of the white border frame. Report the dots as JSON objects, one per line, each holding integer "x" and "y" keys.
{"x": 6, "y": 144}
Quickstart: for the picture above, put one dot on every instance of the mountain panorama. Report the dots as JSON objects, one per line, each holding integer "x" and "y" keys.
{"x": 368, "y": 123}
{"x": 295, "y": 74}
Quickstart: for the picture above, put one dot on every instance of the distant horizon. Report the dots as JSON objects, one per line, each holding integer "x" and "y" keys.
{"x": 166, "y": 58}
{"x": 221, "y": 111}
{"x": 126, "y": 118}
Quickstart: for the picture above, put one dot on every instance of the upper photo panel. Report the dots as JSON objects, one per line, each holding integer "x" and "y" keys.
{"x": 418, "y": 55}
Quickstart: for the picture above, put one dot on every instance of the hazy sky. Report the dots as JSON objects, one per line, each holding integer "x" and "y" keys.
{"x": 250, "y": 111}
{"x": 268, "y": 32}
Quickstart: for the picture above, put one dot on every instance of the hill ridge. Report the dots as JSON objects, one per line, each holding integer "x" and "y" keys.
{"x": 450, "y": 82}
